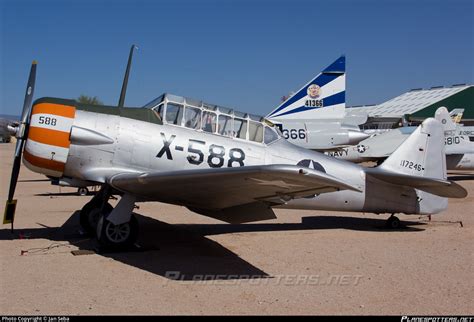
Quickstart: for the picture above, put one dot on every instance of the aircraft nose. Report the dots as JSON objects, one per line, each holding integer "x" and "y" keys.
{"x": 12, "y": 129}
{"x": 357, "y": 136}
{"x": 48, "y": 142}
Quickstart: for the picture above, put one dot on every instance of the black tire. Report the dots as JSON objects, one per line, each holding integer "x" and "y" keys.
{"x": 83, "y": 191}
{"x": 90, "y": 215}
{"x": 393, "y": 222}
{"x": 117, "y": 237}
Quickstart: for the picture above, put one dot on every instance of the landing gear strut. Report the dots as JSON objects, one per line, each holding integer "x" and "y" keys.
{"x": 114, "y": 227}
{"x": 393, "y": 222}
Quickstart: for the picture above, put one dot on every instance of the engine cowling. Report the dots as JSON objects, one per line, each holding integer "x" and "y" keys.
{"x": 48, "y": 140}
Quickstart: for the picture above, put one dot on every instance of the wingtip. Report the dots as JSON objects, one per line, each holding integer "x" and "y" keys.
{"x": 459, "y": 191}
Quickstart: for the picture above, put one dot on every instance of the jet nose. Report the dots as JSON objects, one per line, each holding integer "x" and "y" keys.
{"x": 357, "y": 136}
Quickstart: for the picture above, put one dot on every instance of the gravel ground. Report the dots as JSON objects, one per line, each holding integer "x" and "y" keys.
{"x": 303, "y": 262}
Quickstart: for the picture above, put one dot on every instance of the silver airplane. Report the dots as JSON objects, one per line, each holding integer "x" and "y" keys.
{"x": 5, "y": 132}
{"x": 215, "y": 161}
{"x": 459, "y": 148}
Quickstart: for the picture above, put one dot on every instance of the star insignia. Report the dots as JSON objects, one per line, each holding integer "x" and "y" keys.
{"x": 361, "y": 148}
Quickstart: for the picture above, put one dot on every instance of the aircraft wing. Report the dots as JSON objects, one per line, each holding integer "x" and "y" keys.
{"x": 238, "y": 194}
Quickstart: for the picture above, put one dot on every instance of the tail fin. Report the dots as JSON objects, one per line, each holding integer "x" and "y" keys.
{"x": 324, "y": 97}
{"x": 422, "y": 154}
{"x": 456, "y": 114}
{"x": 455, "y": 143}
{"x": 420, "y": 162}
{"x": 442, "y": 114}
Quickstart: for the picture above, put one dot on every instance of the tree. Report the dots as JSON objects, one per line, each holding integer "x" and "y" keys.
{"x": 89, "y": 100}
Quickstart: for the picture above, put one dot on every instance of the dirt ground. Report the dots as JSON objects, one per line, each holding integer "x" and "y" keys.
{"x": 304, "y": 262}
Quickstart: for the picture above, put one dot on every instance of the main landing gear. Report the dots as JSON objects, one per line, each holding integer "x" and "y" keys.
{"x": 114, "y": 227}
{"x": 393, "y": 222}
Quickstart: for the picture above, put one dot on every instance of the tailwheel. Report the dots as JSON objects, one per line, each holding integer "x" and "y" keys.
{"x": 83, "y": 191}
{"x": 117, "y": 236}
{"x": 90, "y": 215}
{"x": 393, "y": 222}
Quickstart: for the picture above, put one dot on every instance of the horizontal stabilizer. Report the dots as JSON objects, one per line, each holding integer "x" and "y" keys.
{"x": 420, "y": 162}
{"x": 439, "y": 187}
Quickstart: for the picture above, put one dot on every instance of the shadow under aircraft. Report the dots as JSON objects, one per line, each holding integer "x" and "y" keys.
{"x": 183, "y": 251}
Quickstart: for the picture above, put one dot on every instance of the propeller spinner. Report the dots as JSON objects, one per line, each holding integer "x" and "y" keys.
{"x": 21, "y": 134}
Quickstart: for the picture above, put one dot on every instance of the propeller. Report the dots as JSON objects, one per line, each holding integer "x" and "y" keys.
{"x": 21, "y": 133}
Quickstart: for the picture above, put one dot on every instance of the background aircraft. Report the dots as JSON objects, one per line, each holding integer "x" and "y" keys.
{"x": 5, "y": 133}
{"x": 315, "y": 117}
{"x": 215, "y": 161}
{"x": 459, "y": 148}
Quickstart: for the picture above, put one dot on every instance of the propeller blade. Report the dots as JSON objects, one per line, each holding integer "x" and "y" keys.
{"x": 15, "y": 168}
{"x": 30, "y": 88}
{"x": 21, "y": 134}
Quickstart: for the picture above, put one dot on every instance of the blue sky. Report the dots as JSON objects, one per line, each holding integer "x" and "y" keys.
{"x": 242, "y": 54}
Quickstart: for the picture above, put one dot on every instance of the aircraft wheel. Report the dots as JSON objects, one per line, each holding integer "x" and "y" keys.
{"x": 117, "y": 236}
{"x": 90, "y": 215}
{"x": 83, "y": 191}
{"x": 393, "y": 222}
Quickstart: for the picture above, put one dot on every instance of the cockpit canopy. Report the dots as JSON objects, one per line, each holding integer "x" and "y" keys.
{"x": 197, "y": 115}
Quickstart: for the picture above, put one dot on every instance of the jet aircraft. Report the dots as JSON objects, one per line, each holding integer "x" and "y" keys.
{"x": 459, "y": 148}
{"x": 315, "y": 117}
{"x": 5, "y": 125}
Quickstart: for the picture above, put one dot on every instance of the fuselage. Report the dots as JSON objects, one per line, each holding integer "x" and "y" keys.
{"x": 459, "y": 149}
{"x": 100, "y": 142}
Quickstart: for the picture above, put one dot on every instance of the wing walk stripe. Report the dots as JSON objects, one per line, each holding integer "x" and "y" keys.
{"x": 54, "y": 109}
{"x": 44, "y": 163}
{"x": 50, "y": 137}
